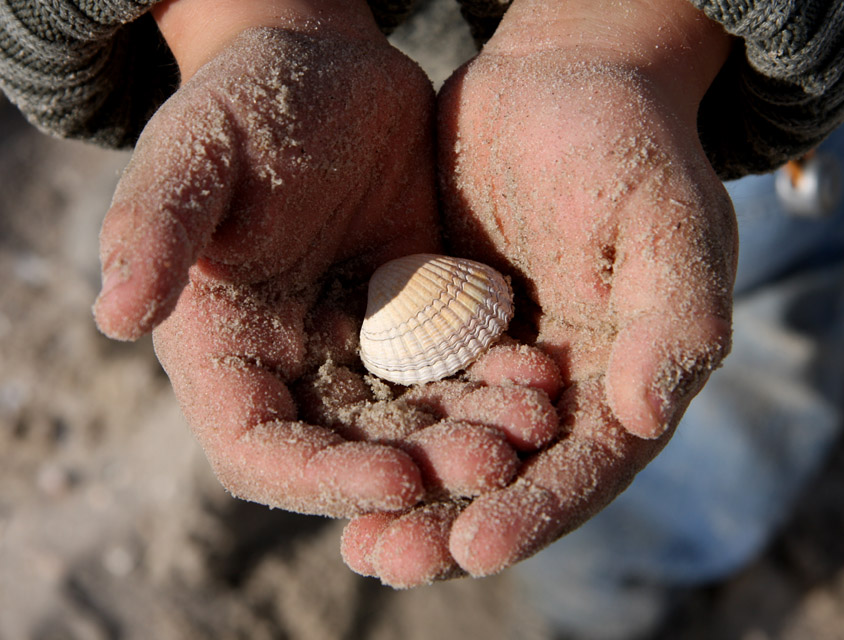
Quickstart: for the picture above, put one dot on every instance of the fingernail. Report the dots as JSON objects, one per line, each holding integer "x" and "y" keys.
{"x": 662, "y": 407}
{"x": 672, "y": 389}
{"x": 112, "y": 278}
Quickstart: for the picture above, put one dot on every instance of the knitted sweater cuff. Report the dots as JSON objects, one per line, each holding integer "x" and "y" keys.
{"x": 781, "y": 93}
{"x": 98, "y": 70}
{"x": 85, "y": 68}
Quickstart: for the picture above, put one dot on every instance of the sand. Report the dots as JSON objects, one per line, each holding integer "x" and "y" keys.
{"x": 112, "y": 525}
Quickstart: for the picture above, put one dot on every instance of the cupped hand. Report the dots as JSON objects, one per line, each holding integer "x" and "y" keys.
{"x": 576, "y": 168}
{"x": 258, "y": 200}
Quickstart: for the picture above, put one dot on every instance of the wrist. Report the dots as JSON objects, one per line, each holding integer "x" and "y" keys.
{"x": 197, "y": 30}
{"x": 672, "y": 44}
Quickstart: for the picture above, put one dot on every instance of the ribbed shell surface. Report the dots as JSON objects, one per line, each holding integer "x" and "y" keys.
{"x": 429, "y": 316}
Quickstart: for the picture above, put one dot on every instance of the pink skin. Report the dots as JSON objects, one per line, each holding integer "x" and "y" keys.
{"x": 312, "y": 132}
{"x": 317, "y": 134}
{"x": 576, "y": 168}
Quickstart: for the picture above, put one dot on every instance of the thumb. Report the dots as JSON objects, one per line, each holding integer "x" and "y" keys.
{"x": 672, "y": 293}
{"x": 170, "y": 199}
{"x": 658, "y": 364}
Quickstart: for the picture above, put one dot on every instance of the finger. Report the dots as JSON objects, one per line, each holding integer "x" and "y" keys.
{"x": 225, "y": 321}
{"x": 526, "y": 416}
{"x": 307, "y": 469}
{"x": 359, "y": 539}
{"x": 407, "y": 551}
{"x": 658, "y": 364}
{"x": 170, "y": 199}
{"x": 558, "y": 489}
{"x": 461, "y": 459}
{"x": 455, "y": 458}
{"x": 244, "y": 417}
{"x": 518, "y": 364}
{"x": 504, "y": 527}
{"x": 671, "y": 295}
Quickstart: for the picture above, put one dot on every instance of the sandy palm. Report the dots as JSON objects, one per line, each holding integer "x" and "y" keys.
{"x": 258, "y": 201}
{"x": 288, "y": 162}
{"x": 575, "y": 178}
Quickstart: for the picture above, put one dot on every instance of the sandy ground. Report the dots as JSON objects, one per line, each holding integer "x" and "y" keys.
{"x": 111, "y": 525}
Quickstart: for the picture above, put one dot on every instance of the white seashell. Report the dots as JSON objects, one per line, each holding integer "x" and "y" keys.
{"x": 429, "y": 316}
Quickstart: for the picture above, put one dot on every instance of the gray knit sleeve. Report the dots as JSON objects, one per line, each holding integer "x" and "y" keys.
{"x": 98, "y": 69}
{"x": 88, "y": 69}
{"x": 780, "y": 93}
{"x": 782, "y": 90}
{"x": 483, "y": 16}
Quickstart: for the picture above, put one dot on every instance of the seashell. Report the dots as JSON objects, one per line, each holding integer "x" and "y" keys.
{"x": 429, "y": 316}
